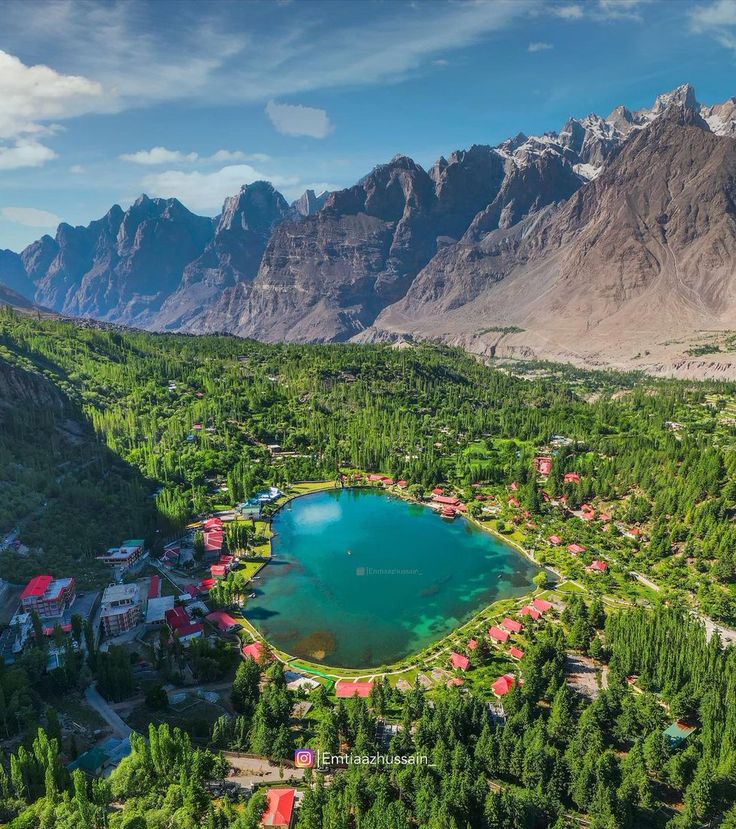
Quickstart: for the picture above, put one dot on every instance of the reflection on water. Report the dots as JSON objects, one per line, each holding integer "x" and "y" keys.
{"x": 410, "y": 578}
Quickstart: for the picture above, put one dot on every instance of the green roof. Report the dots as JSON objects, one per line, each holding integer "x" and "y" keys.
{"x": 678, "y": 732}
{"x": 91, "y": 761}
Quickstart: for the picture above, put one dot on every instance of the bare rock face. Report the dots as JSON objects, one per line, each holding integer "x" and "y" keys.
{"x": 645, "y": 252}
{"x": 586, "y": 244}
{"x": 120, "y": 267}
{"x": 308, "y": 204}
{"x": 13, "y": 274}
{"x": 233, "y": 255}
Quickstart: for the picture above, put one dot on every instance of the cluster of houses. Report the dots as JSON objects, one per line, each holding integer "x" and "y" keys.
{"x": 500, "y": 635}
{"x": 55, "y": 601}
{"x": 448, "y": 506}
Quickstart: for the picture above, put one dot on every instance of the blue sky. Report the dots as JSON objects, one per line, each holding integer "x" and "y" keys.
{"x": 100, "y": 101}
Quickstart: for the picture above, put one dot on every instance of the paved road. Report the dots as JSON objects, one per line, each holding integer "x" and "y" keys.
{"x": 96, "y": 701}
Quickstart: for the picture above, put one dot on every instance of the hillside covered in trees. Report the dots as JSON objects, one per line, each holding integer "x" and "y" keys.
{"x": 136, "y": 433}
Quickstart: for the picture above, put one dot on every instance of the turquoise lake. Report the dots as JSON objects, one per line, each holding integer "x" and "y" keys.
{"x": 360, "y": 578}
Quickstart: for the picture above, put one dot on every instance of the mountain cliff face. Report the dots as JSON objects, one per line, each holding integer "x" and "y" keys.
{"x": 592, "y": 240}
{"x": 643, "y": 255}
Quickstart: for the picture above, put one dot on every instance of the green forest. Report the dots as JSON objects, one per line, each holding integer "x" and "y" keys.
{"x": 109, "y": 434}
{"x": 134, "y": 434}
{"x": 552, "y": 759}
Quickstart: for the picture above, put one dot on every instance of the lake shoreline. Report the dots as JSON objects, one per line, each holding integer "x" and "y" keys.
{"x": 338, "y": 670}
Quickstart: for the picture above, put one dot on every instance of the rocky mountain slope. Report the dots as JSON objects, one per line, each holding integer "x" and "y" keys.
{"x": 592, "y": 240}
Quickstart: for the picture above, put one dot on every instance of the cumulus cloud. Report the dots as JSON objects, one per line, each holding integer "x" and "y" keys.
{"x": 30, "y": 98}
{"x": 295, "y": 119}
{"x": 717, "y": 19}
{"x": 24, "y": 153}
{"x": 539, "y": 46}
{"x": 205, "y": 191}
{"x": 161, "y": 155}
{"x": 30, "y": 216}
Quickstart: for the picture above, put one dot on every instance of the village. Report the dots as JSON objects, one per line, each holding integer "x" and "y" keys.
{"x": 164, "y": 612}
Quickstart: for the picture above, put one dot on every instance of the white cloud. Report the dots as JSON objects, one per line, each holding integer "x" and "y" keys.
{"x": 295, "y": 119}
{"x": 717, "y": 19}
{"x": 30, "y": 216}
{"x": 30, "y": 97}
{"x": 539, "y": 46}
{"x": 76, "y": 169}
{"x": 161, "y": 155}
{"x": 205, "y": 191}
{"x": 24, "y": 153}
{"x": 571, "y": 12}
{"x": 612, "y": 9}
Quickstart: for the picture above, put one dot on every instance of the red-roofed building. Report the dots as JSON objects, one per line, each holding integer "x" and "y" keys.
{"x": 446, "y": 499}
{"x": 154, "y": 587}
{"x": 543, "y": 465}
{"x": 503, "y": 685}
{"x": 387, "y": 481}
{"x": 576, "y": 549}
{"x": 455, "y": 681}
{"x": 253, "y": 651}
{"x": 212, "y": 523}
{"x": 572, "y": 478}
{"x": 514, "y": 487}
{"x": 193, "y": 589}
{"x": 207, "y": 584}
{"x": 48, "y": 596}
{"x": 375, "y": 478}
{"x": 176, "y": 618}
{"x": 542, "y": 605}
{"x": 224, "y": 621}
{"x": 218, "y": 571}
{"x": 498, "y": 635}
{"x": 555, "y": 540}
{"x": 185, "y": 633}
{"x": 516, "y": 653}
{"x": 345, "y": 689}
{"x": 279, "y": 808}
{"x": 598, "y": 566}
{"x": 514, "y": 502}
{"x": 438, "y": 491}
{"x": 459, "y": 662}
{"x": 472, "y": 644}
{"x": 604, "y": 517}
{"x": 448, "y": 512}
{"x": 402, "y": 484}
{"x": 528, "y": 610}
{"x": 462, "y": 507}
{"x": 512, "y": 625}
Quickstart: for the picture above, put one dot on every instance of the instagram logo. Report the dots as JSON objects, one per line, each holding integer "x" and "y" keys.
{"x": 304, "y": 758}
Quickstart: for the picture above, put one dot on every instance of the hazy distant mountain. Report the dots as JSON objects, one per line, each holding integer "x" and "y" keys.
{"x": 593, "y": 240}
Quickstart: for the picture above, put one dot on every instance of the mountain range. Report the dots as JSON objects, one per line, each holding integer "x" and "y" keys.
{"x": 610, "y": 242}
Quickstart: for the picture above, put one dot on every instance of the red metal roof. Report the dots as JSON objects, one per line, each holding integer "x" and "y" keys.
{"x": 446, "y": 499}
{"x": 498, "y": 634}
{"x": 190, "y": 629}
{"x": 154, "y": 588}
{"x": 517, "y": 653}
{"x": 345, "y": 689}
{"x": 530, "y": 611}
{"x": 176, "y": 618}
{"x": 279, "y": 807}
{"x": 438, "y": 491}
{"x": 459, "y": 661}
{"x": 223, "y": 620}
{"x": 512, "y": 625}
{"x": 542, "y": 605}
{"x": 36, "y": 587}
{"x": 503, "y": 685}
{"x": 253, "y": 651}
